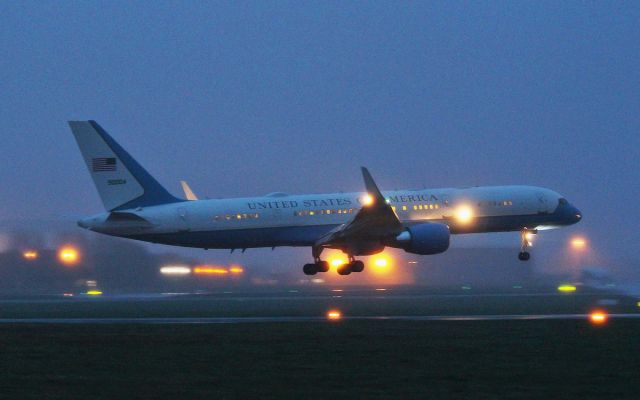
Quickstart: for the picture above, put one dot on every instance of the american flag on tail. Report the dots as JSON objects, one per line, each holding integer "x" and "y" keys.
{"x": 103, "y": 164}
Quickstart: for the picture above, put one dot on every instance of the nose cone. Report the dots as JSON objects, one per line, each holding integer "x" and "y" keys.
{"x": 576, "y": 215}
{"x": 567, "y": 213}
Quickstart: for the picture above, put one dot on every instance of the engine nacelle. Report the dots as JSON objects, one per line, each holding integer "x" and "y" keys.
{"x": 424, "y": 239}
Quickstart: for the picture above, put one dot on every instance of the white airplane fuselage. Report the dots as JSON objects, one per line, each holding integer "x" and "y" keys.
{"x": 300, "y": 220}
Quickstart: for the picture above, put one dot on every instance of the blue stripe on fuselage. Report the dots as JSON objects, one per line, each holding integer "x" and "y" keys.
{"x": 242, "y": 238}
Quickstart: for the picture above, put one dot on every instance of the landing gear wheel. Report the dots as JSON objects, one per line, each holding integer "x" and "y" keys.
{"x": 357, "y": 266}
{"x": 524, "y": 256}
{"x": 322, "y": 266}
{"x": 310, "y": 269}
{"x": 344, "y": 269}
{"x": 525, "y": 244}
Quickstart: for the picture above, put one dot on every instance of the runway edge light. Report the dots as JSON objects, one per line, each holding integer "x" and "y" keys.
{"x": 334, "y": 315}
{"x": 598, "y": 317}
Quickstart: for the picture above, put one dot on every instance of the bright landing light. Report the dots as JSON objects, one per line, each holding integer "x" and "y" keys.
{"x": 529, "y": 237}
{"x": 367, "y": 200}
{"x": 381, "y": 263}
{"x": 336, "y": 262}
{"x": 464, "y": 214}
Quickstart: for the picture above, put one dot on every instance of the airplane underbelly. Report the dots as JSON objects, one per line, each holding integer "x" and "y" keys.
{"x": 242, "y": 238}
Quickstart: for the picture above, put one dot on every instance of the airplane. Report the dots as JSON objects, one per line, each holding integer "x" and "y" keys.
{"x": 359, "y": 223}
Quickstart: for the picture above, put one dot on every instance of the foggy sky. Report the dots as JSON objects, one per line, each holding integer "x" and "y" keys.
{"x": 244, "y": 99}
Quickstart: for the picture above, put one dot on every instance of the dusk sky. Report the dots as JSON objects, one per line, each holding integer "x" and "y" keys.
{"x": 247, "y": 98}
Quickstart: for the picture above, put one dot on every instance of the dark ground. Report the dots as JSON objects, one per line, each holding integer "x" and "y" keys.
{"x": 351, "y": 358}
{"x": 567, "y": 359}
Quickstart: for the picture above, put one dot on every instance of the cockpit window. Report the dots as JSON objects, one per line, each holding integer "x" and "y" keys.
{"x": 563, "y": 201}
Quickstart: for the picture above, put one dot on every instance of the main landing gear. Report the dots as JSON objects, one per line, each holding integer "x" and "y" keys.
{"x": 312, "y": 269}
{"x": 352, "y": 266}
{"x": 323, "y": 266}
{"x": 525, "y": 244}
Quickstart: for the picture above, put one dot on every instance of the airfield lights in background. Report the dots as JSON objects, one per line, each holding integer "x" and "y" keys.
{"x": 209, "y": 270}
{"x": 566, "y": 288}
{"x": 578, "y": 243}
{"x": 184, "y": 270}
{"x": 30, "y": 255}
{"x": 235, "y": 269}
{"x": 68, "y": 255}
{"x": 175, "y": 270}
{"x": 334, "y": 315}
{"x": 598, "y": 317}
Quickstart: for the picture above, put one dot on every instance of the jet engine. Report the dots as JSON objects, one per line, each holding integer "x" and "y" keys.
{"x": 424, "y": 239}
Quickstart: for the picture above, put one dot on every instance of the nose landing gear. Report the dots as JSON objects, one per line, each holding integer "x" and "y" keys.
{"x": 525, "y": 244}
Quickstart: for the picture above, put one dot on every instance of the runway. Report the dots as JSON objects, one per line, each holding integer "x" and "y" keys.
{"x": 253, "y": 320}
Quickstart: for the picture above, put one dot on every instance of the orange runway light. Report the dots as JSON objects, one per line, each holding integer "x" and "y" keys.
{"x": 236, "y": 270}
{"x": 30, "y": 255}
{"x": 204, "y": 270}
{"x": 68, "y": 256}
{"x": 598, "y": 317}
{"x": 334, "y": 315}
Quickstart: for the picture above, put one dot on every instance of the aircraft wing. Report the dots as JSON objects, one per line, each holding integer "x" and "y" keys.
{"x": 188, "y": 193}
{"x": 375, "y": 220}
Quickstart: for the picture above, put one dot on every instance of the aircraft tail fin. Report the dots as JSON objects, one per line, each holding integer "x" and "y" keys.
{"x": 122, "y": 183}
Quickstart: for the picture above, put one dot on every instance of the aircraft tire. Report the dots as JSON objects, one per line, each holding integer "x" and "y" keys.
{"x": 524, "y": 256}
{"x": 344, "y": 269}
{"x": 322, "y": 266}
{"x": 310, "y": 269}
{"x": 357, "y": 266}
